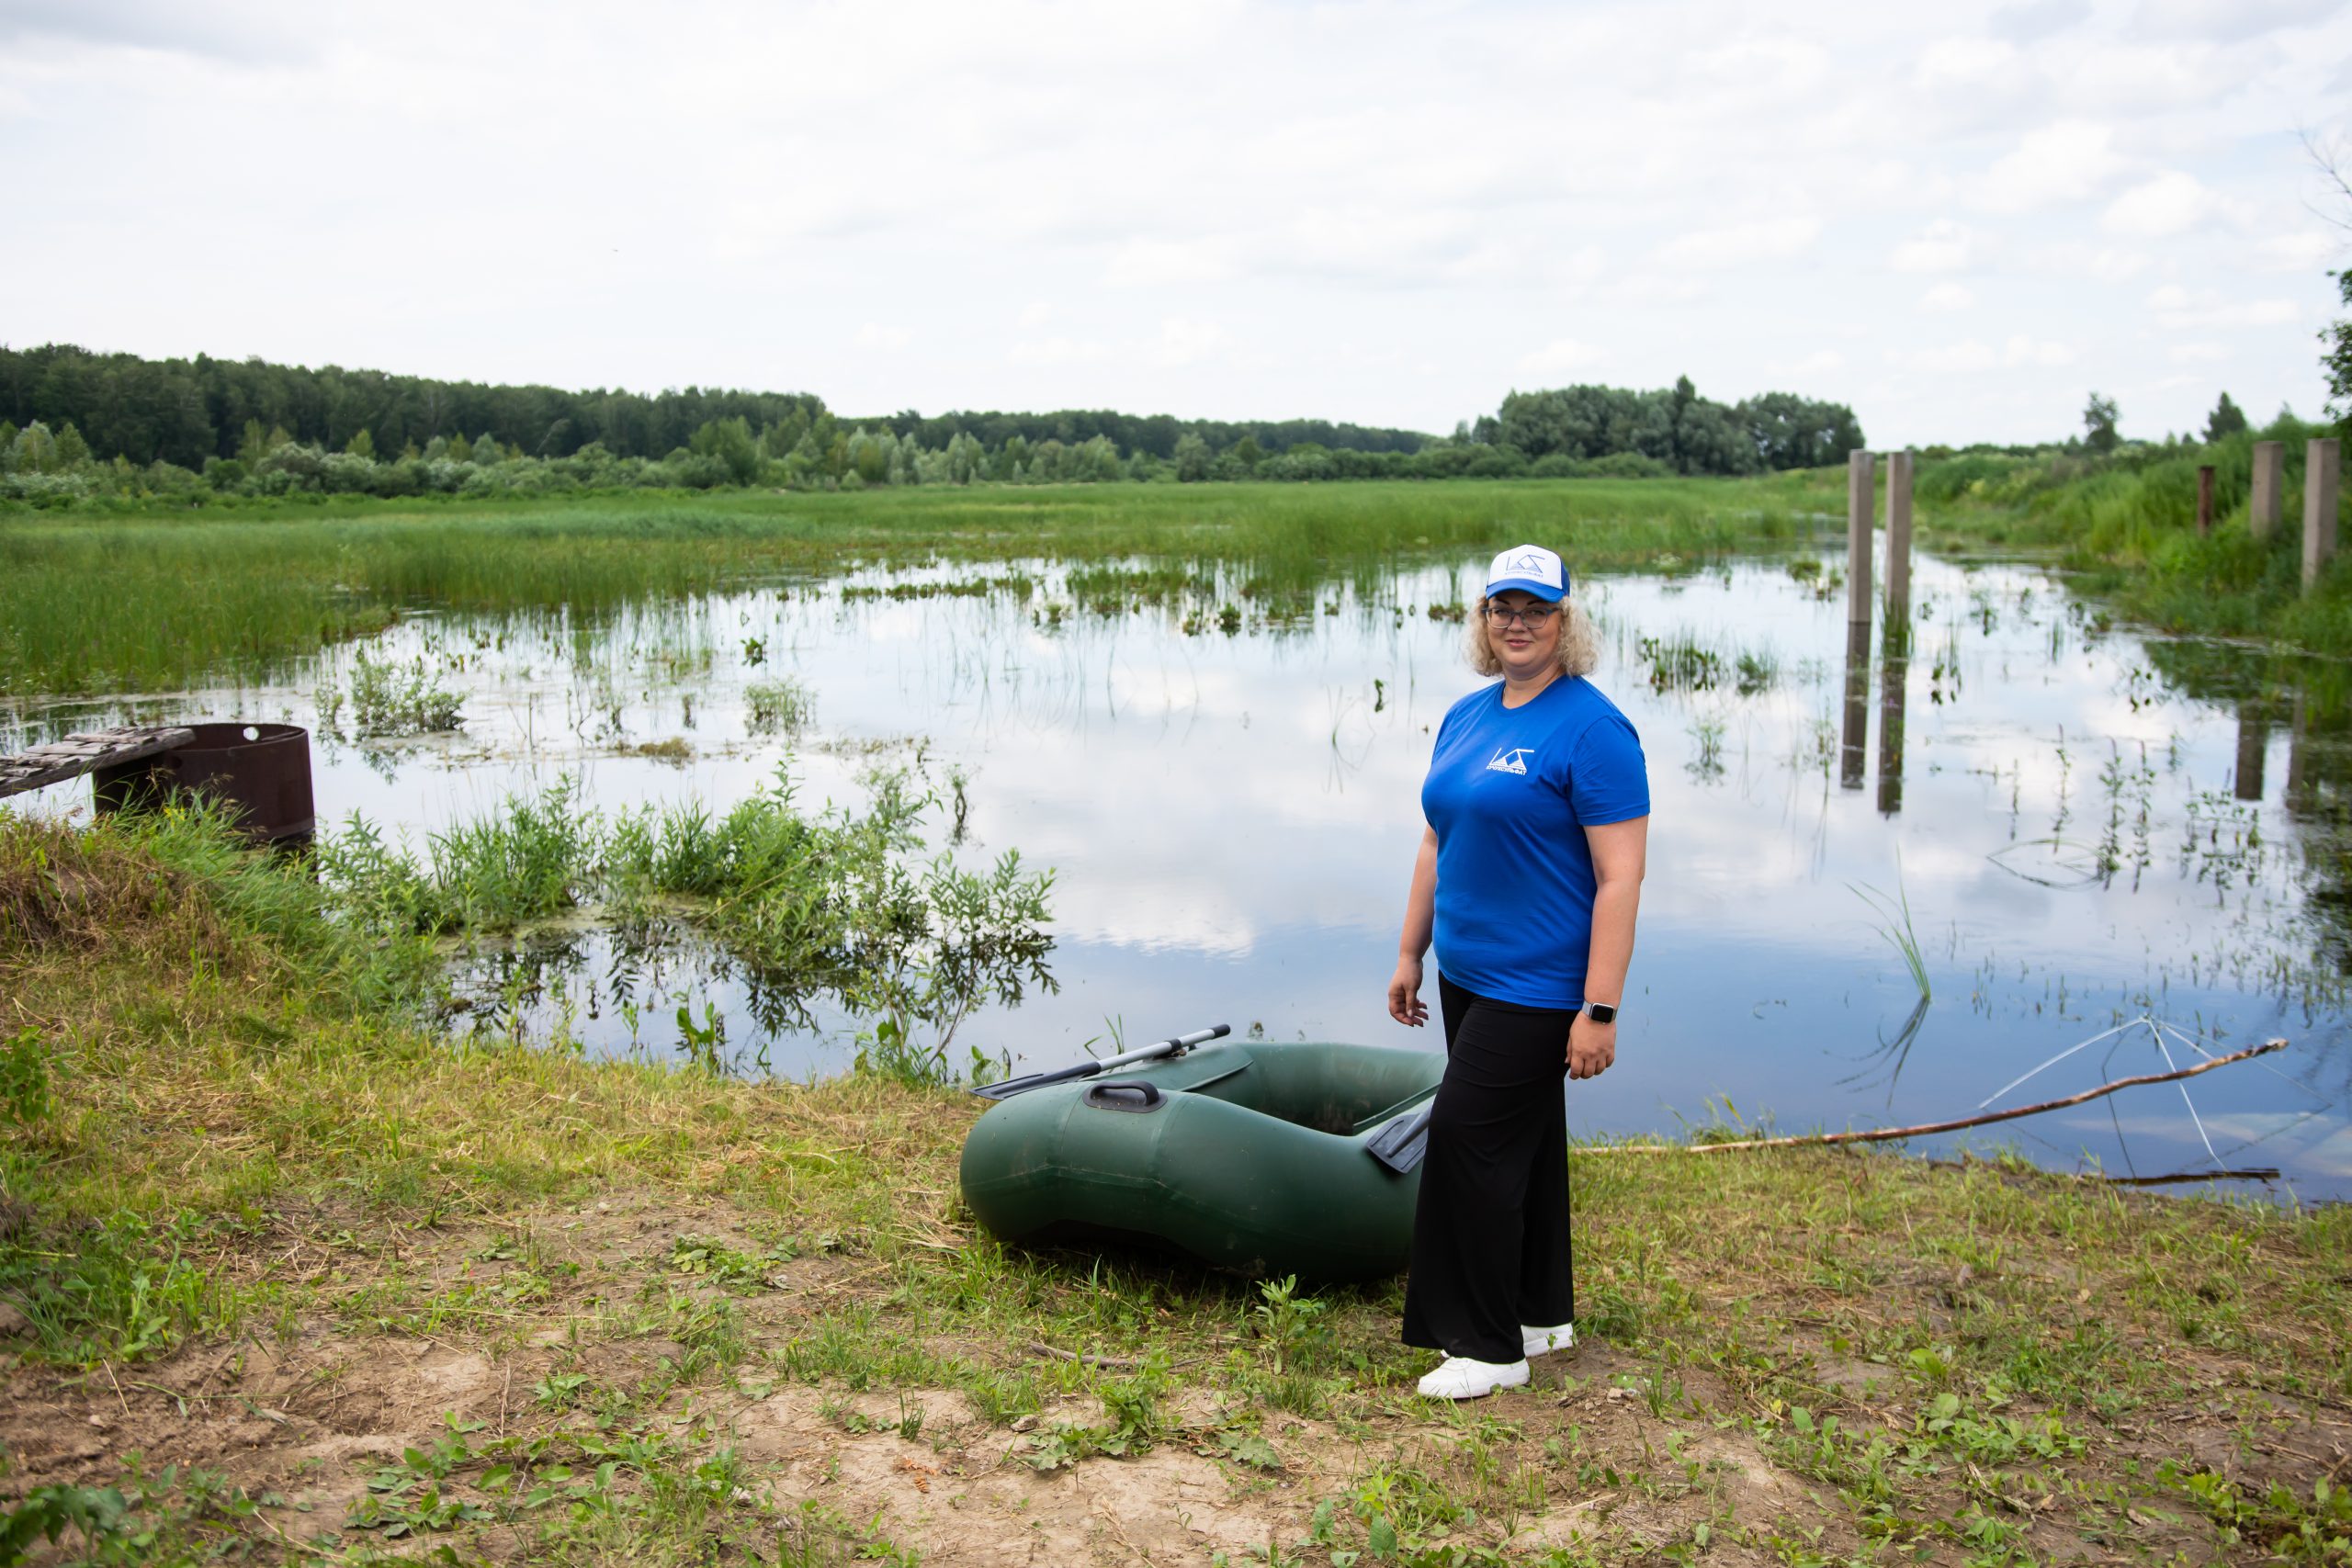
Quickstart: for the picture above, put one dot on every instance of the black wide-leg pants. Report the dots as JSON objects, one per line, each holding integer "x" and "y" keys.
{"x": 1490, "y": 1236}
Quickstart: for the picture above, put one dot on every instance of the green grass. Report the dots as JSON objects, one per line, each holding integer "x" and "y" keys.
{"x": 2127, "y": 526}
{"x": 153, "y": 602}
{"x": 1985, "y": 1363}
{"x": 828, "y": 902}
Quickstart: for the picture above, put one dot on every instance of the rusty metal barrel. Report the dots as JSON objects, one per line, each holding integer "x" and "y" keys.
{"x": 261, "y": 771}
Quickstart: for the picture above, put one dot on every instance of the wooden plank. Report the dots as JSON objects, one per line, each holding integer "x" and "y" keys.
{"x": 85, "y": 753}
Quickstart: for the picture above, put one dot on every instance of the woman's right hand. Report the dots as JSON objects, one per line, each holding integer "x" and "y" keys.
{"x": 1405, "y": 1004}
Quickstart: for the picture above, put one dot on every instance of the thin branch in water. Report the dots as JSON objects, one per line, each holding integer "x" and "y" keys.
{"x": 2259, "y": 1173}
{"x": 2206, "y": 1138}
{"x": 2053, "y": 1062}
{"x": 1888, "y": 1134}
{"x": 2294, "y": 1083}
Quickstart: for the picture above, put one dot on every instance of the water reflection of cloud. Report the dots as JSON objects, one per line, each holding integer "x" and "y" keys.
{"x": 1208, "y": 838}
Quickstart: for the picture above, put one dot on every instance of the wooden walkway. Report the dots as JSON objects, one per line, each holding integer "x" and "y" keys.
{"x": 85, "y": 753}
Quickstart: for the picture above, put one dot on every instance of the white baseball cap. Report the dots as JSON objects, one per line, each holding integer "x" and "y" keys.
{"x": 1530, "y": 569}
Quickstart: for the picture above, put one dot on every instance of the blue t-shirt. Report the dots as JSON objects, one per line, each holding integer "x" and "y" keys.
{"x": 1510, "y": 792}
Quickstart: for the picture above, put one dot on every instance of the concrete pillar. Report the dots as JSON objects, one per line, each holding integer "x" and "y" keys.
{"x": 1861, "y": 470}
{"x": 2298, "y": 798}
{"x": 2321, "y": 479}
{"x": 2254, "y": 748}
{"x": 1853, "y": 752}
{"x": 2269, "y": 481}
{"x": 1894, "y": 688}
{"x": 2204, "y": 499}
{"x": 1898, "y": 551}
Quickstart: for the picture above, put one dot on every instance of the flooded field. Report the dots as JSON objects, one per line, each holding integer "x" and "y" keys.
{"x": 1880, "y": 889}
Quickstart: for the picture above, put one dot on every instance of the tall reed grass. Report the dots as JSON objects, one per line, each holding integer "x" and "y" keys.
{"x": 153, "y": 603}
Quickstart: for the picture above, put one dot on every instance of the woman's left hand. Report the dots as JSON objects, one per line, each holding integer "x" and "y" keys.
{"x": 1591, "y": 1046}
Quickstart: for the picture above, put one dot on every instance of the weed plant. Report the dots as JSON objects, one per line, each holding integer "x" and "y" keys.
{"x": 781, "y": 704}
{"x": 158, "y": 603}
{"x": 830, "y": 902}
{"x": 388, "y": 699}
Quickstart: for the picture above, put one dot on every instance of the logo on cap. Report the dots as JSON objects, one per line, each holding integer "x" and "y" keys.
{"x": 1529, "y": 567}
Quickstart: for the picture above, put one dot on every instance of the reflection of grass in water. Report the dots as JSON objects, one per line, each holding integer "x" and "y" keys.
{"x": 1679, "y": 662}
{"x": 1707, "y": 764}
{"x": 143, "y": 602}
{"x": 1757, "y": 670}
{"x": 782, "y": 703}
{"x": 1684, "y": 661}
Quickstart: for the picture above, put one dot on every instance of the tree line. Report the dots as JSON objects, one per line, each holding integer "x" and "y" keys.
{"x": 78, "y": 426}
{"x": 184, "y": 411}
{"x": 1675, "y": 428}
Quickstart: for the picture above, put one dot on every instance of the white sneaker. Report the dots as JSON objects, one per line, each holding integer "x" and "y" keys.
{"x": 1459, "y": 1377}
{"x": 1542, "y": 1341}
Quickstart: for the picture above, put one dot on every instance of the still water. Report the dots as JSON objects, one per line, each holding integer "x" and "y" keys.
{"x": 2087, "y": 828}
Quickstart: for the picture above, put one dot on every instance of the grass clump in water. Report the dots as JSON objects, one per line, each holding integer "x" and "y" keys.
{"x": 782, "y": 703}
{"x": 834, "y": 902}
{"x": 388, "y": 699}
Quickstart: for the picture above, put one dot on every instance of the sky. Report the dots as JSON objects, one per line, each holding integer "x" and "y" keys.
{"x": 1960, "y": 220}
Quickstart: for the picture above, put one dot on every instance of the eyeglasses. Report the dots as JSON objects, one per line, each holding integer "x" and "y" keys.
{"x": 1533, "y": 617}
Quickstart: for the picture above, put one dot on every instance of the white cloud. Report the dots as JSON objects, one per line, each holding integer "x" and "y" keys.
{"x": 2073, "y": 260}
{"x": 2038, "y": 18}
{"x": 2181, "y": 309}
{"x": 2066, "y": 162}
{"x": 1942, "y": 246}
{"x": 2172, "y": 203}
{"x": 1820, "y": 362}
{"x": 1971, "y": 357}
{"x": 1059, "y": 351}
{"x": 2228, "y": 21}
{"x": 1561, "y": 356}
{"x": 1345, "y": 203}
{"x": 2196, "y": 353}
{"x": 1740, "y": 244}
{"x": 1154, "y": 263}
{"x": 2308, "y": 252}
{"x": 1183, "y": 341}
{"x": 1973, "y": 63}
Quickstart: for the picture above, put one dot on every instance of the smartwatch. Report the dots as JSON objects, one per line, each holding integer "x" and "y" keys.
{"x": 1600, "y": 1012}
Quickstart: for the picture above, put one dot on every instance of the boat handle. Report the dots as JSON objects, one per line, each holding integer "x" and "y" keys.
{"x": 1124, "y": 1094}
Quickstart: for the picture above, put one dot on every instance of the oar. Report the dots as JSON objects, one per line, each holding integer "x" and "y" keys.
{"x": 1401, "y": 1143}
{"x": 1167, "y": 1048}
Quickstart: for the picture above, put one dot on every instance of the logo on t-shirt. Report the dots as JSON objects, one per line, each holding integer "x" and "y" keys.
{"x": 1511, "y": 761}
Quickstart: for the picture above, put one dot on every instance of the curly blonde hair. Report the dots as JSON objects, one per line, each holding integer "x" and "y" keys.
{"x": 1579, "y": 643}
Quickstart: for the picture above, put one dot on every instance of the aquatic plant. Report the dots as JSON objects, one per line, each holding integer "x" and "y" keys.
{"x": 780, "y": 703}
{"x": 146, "y": 602}
{"x": 388, "y": 698}
{"x": 1894, "y": 924}
{"x": 831, "y": 902}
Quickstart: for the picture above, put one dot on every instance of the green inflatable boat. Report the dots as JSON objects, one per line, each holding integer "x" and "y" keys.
{"x": 1264, "y": 1159}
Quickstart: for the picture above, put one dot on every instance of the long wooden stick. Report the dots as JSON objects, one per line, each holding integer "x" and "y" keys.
{"x": 1885, "y": 1135}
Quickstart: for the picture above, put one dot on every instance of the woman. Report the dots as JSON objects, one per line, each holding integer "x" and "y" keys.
{"x": 1529, "y": 877}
